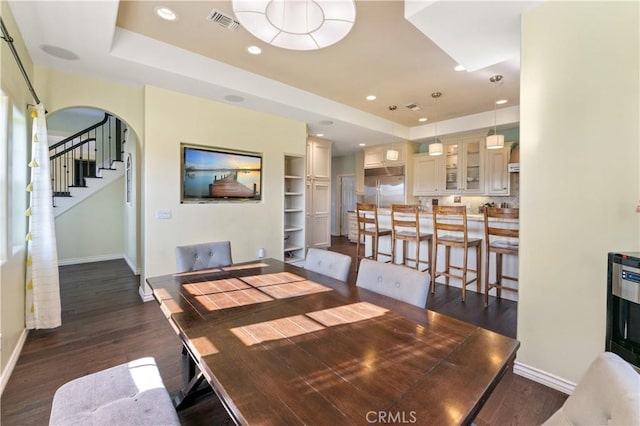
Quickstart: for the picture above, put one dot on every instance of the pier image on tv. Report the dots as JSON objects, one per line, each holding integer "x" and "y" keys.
{"x": 214, "y": 174}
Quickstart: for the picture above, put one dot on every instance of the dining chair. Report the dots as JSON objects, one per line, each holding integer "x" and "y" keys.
{"x": 330, "y": 263}
{"x": 450, "y": 230}
{"x": 368, "y": 226}
{"x": 196, "y": 257}
{"x": 405, "y": 227}
{"x": 395, "y": 281}
{"x": 500, "y": 238}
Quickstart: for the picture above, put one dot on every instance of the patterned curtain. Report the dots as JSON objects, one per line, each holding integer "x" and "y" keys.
{"x": 42, "y": 282}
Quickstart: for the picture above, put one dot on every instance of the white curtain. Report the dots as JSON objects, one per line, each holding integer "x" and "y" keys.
{"x": 42, "y": 281}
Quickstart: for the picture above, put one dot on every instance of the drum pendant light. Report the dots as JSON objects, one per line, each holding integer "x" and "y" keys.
{"x": 436, "y": 147}
{"x": 494, "y": 140}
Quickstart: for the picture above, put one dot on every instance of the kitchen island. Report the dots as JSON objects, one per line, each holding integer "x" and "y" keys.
{"x": 475, "y": 224}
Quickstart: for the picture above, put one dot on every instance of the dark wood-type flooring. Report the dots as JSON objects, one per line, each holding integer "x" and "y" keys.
{"x": 105, "y": 323}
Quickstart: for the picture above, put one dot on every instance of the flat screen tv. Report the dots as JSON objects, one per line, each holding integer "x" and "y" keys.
{"x": 218, "y": 174}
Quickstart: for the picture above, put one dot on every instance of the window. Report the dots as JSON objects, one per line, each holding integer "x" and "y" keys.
{"x": 19, "y": 146}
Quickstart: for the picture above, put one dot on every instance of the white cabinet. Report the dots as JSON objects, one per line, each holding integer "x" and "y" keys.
{"x": 497, "y": 171}
{"x": 318, "y": 188}
{"x": 427, "y": 176}
{"x": 394, "y": 154}
{"x": 294, "y": 205}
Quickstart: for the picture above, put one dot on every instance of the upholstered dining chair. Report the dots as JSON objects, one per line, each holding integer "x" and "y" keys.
{"x": 196, "y": 257}
{"x": 607, "y": 394}
{"x": 329, "y": 263}
{"x": 396, "y": 281}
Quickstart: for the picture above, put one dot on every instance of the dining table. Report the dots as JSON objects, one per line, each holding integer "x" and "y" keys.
{"x": 281, "y": 345}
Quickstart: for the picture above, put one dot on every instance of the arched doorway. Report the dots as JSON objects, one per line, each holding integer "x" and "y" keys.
{"x": 97, "y": 209}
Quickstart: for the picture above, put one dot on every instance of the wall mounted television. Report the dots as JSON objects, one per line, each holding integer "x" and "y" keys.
{"x": 218, "y": 174}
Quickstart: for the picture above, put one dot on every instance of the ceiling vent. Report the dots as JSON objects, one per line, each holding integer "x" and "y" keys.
{"x": 223, "y": 20}
{"x": 413, "y": 106}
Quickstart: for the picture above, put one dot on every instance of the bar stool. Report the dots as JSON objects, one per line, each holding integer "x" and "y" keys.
{"x": 367, "y": 215}
{"x": 505, "y": 243}
{"x": 453, "y": 221}
{"x": 405, "y": 226}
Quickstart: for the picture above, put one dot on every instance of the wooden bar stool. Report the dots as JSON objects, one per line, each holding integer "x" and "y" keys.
{"x": 405, "y": 226}
{"x": 367, "y": 215}
{"x": 500, "y": 238}
{"x": 450, "y": 230}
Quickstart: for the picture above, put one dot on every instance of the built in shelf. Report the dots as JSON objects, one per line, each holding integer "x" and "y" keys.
{"x": 291, "y": 247}
{"x": 292, "y": 210}
{"x": 292, "y": 177}
{"x": 293, "y": 193}
{"x": 292, "y": 229}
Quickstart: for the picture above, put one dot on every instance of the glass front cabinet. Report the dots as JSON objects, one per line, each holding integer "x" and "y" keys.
{"x": 463, "y": 171}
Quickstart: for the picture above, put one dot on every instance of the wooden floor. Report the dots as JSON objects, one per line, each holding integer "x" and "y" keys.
{"x": 105, "y": 323}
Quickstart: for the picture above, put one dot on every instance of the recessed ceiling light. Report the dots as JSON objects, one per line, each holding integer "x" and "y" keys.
{"x": 319, "y": 135}
{"x": 501, "y": 101}
{"x": 234, "y": 98}
{"x": 166, "y": 13}
{"x": 422, "y": 119}
{"x": 362, "y": 144}
{"x": 371, "y": 97}
{"x": 459, "y": 68}
{"x": 254, "y": 50}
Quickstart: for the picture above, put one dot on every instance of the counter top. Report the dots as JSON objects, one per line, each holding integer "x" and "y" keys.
{"x": 475, "y": 217}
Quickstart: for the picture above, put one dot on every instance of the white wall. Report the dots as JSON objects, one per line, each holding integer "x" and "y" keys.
{"x": 94, "y": 229}
{"x": 172, "y": 118}
{"x": 580, "y": 175}
{"x": 343, "y": 165}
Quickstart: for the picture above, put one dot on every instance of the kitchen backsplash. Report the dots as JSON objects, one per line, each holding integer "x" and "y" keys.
{"x": 474, "y": 202}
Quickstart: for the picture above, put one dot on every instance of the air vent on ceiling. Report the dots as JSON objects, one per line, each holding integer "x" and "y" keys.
{"x": 223, "y": 20}
{"x": 413, "y": 106}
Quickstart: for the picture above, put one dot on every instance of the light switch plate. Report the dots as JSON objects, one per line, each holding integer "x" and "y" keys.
{"x": 163, "y": 214}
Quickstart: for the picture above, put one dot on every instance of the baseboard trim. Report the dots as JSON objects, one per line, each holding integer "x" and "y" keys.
{"x": 145, "y": 297}
{"x": 89, "y": 259}
{"x": 132, "y": 266}
{"x": 544, "y": 378}
{"x": 13, "y": 360}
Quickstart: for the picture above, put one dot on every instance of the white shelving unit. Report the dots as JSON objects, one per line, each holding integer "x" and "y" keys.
{"x": 294, "y": 205}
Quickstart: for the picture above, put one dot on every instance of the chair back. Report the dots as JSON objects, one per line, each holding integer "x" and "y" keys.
{"x": 395, "y": 281}
{"x": 329, "y": 263}
{"x": 404, "y": 218}
{"x": 367, "y": 215}
{"x": 607, "y": 394}
{"x": 493, "y": 228}
{"x": 196, "y": 257}
{"x": 444, "y": 228}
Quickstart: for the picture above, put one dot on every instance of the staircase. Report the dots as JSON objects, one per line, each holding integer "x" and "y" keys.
{"x": 86, "y": 162}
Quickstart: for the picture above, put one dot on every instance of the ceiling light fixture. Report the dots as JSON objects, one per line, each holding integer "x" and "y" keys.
{"x": 392, "y": 154}
{"x": 254, "y": 50}
{"x": 459, "y": 68}
{"x": 166, "y": 13}
{"x": 501, "y": 101}
{"x": 371, "y": 97}
{"x": 494, "y": 140}
{"x": 297, "y": 24}
{"x": 422, "y": 119}
{"x": 319, "y": 135}
{"x": 362, "y": 144}
{"x": 436, "y": 147}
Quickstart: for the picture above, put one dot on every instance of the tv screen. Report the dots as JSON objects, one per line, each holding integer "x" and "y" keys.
{"x": 216, "y": 174}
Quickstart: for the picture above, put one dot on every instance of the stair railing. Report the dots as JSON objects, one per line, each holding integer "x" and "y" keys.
{"x": 82, "y": 154}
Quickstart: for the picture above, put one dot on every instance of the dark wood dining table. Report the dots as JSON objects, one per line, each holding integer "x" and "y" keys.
{"x": 281, "y": 345}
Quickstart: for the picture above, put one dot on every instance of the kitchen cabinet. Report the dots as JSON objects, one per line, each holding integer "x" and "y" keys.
{"x": 497, "y": 171}
{"x": 318, "y": 194}
{"x": 394, "y": 154}
{"x": 426, "y": 174}
{"x": 464, "y": 167}
{"x": 294, "y": 204}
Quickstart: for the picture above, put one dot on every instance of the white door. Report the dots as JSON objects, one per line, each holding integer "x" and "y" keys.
{"x": 348, "y": 201}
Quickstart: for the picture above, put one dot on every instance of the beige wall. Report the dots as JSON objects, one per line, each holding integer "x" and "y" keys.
{"x": 94, "y": 228}
{"x": 171, "y": 118}
{"x": 12, "y": 270}
{"x": 580, "y": 175}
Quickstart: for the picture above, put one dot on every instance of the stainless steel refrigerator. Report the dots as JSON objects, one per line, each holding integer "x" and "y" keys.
{"x": 384, "y": 186}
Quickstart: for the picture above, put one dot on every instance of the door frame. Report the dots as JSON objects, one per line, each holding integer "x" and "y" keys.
{"x": 338, "y": 213}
